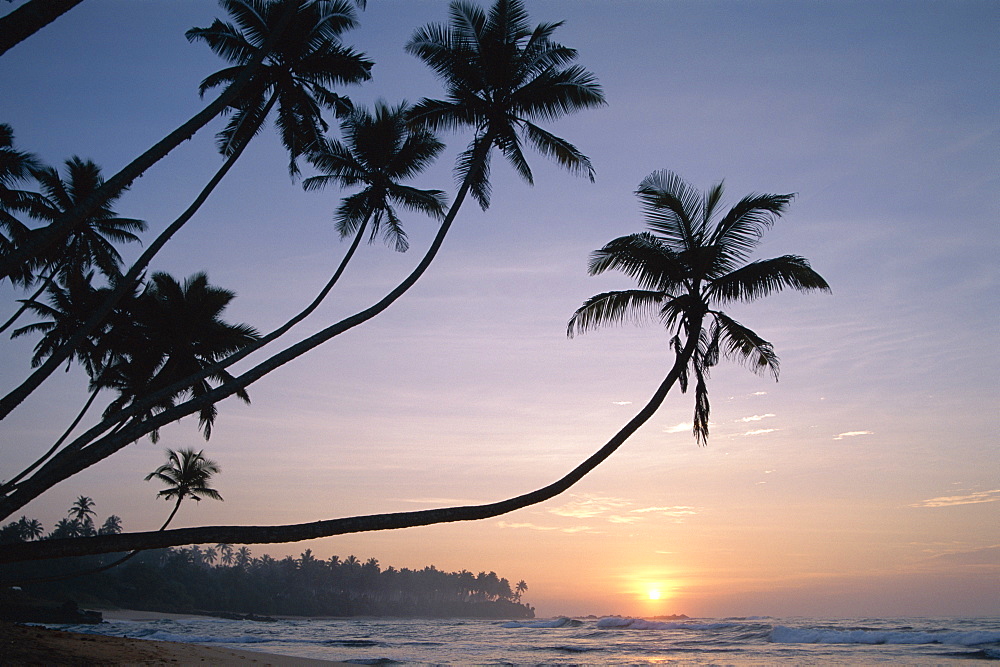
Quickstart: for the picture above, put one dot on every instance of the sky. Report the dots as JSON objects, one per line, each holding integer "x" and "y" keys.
{"x": 865, "y": 482}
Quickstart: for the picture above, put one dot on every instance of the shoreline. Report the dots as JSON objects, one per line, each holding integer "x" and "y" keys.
{"x": 39, "y": 645}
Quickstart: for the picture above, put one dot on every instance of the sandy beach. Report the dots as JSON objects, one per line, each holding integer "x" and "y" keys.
{"x": 36, "y": 645}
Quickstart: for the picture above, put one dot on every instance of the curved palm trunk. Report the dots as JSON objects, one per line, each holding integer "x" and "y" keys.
{"x": 264, "y": 340}
{"x": 29, "y": 18}
{"x": 124, "y": 178}
{"x": 4, "y": 488}
{"x": 15, "y": 397}
{"x": 76, "y": 457}
{"x": 391, "y": 521}
{"x": 25, "y": 304}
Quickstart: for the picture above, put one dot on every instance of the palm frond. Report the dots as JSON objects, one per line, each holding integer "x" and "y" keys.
{"x": 739, "y": 231}
{"x": 761, "y": 278}
{"x": 614, "y": 308}
{"x": 566, "y": 154}
{"x": 744, "y": 346}
{"x": 642, "y": 257}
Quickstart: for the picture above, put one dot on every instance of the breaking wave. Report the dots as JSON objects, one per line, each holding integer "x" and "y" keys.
{"x": 784, "y": 635}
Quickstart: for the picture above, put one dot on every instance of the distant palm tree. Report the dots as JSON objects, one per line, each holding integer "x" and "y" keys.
{"x": 82, "y": 509}
{"x": 520, "y": 588}
{"x": 243, "y": 558}
{"x": 30, "y": 529}
{"x": 226, "y": 553}
{"x": 687, "y": 265}
{"x": 187, "y": 474}
{"x": 111, "y": 526}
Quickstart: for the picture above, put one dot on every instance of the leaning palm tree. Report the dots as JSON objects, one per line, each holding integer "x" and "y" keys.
{"x": 501, "y": 77}
{"x": 378, "y": 151}
{"x": 90, "y": 244}
{"x": 297, "y": 72}
{"x": 292, "y": 48}
{"x": 187, "y": 474}
{"x": 180, "y": 332}
{"x": 689, "y": 264}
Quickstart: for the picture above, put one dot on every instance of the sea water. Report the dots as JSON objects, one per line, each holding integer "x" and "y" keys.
{"x": 605, "y": 641}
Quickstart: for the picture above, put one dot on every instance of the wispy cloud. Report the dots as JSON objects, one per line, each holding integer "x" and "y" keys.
{"x": 591, "y": 506}
{"x": 535, "y": 526}
{"x": 759, "y": 393}
{"x": 755, "y": 418}
{"x": 761, "y": 431}
{"x": 672, "y": 511}
{"x": 851, "y": 434}
{"x": 619, "y": 510}
{"x": 975, "y": 498}
{"x": 621, "y": 402}
{"x": 679, "y": 428}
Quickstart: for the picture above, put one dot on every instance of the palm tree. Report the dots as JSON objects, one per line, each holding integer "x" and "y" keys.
{"x": 82, "y": 510}
{"x": 10, "y": 263}
{"x": 687, "y": 265}
{"x": 519, "y": 589}
{"x": 378, "y": 151}
{"x": 292, "y": 48}
{"x": 90, "y": 244}
{"x": 226, "y": 553}
{"x": 187, "y": 474}
{"x": 30, "y": 529}
{"x": 501, "y": 76}
{"x": 15, "y": 167}
{"x": 111, "y": 526}
{"x": 296, "y": 73}
{"x": 522, "y": 77}
{"x": 181, "y": 333}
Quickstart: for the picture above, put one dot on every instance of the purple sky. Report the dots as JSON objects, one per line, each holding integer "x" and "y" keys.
{"x": 865, "y": 482}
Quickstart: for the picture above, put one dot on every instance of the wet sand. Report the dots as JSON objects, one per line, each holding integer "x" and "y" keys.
{"x": 35, "y": 645}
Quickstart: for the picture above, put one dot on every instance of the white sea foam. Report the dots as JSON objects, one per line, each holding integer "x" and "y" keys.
{"x": 784, "y": 635}
{"x": 561, "y": 622}
{"x": 612, "y": 622}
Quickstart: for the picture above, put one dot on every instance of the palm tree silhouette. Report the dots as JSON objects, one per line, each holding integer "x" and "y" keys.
{"x": 687, "y": 265}
{"x": 15, "y": 167}
{"x": 82, "y": 509}
{"x": 377, "y": 152}
{"x": 90, "y": 244}
{"x": 296, "y": 73}
{"x": 187, "y": 474}
{"x": 10, "y": 263}
{"x": 522, "y": 77}
{"x": 181, "y": 332}
{"x": 500, "y": 76}
{"x": 294, "y": 48}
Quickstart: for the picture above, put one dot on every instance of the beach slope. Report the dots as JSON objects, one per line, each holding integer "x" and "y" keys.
{"x": 35, "y": 645}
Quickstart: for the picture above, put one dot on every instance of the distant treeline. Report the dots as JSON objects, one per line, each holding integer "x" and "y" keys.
{"x": 234, "y": 581}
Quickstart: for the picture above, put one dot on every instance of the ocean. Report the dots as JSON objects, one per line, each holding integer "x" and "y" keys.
{"x": 606, "y": 641}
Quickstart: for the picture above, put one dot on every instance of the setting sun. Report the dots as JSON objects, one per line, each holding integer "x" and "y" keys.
{"x": 654, "y": 594}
